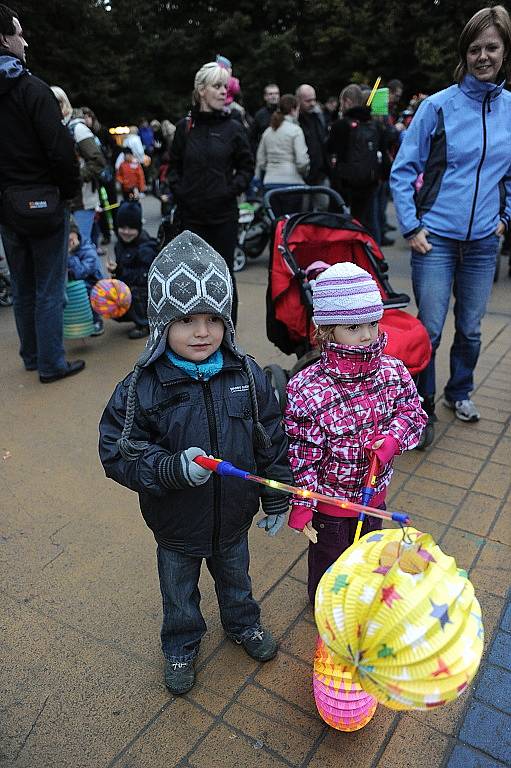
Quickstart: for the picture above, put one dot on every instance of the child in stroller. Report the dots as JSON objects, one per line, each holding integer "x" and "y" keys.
{"x": 329, "y": 236}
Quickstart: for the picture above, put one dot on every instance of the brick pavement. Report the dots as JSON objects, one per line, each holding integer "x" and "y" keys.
{"x": 80, "y": 667}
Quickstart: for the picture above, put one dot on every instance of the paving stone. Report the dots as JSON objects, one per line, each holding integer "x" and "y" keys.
{"x": 492, "y": 571}
{"x": 407, "y": 461}
{"x": 283, "y": 605}
{"x": 417, "y": 504}
{"x": 463, "y": 434}
{"x": 465, "y": 757}
{"x": 444, "y": 474}
{"x": 491, "y": 608}
{"x": 430, "y": 488}
{"x": 291, "y": 679}
{"x": 489, "y": 730}
{"x": 170, "y": 738}
{"x": 446, "y": 719}
{"x": 501, "y": 531}
{"x": 506, "y": 619}
{"x": 500, "y": 653}
{"x": 494, "y": 394}
{"x": 494, "y": 686}
{"x": 300, "y": 570}
{"x": 475, "y": 450}
{"x": 502, "y": 452}
{"x": 266, "y": 718}
{"x": 223, "y": 747}
{"x": 476, "y": 513}
{"x": 413, "y": 744}
{"x": 300, "y": 641}
{"x": 461, "y": 545}
{"x": 350, "y": 750}
{"x": 493, "y": 480}
{"x": 226, "y": 672}
{"x": 454, "y": 460}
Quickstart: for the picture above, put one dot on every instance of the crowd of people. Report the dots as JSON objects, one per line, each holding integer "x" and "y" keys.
{"x": 193, "y": 393}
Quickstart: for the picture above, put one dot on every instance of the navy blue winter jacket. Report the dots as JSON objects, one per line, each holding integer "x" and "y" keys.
{"x": 460, "y": 139}
{"x": 175, "y": 412}
{"x": 134, "y": 259}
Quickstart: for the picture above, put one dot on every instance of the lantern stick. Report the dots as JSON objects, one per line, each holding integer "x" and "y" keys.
{"x": 222, "y": 467}
{"x": 367, "y": 493}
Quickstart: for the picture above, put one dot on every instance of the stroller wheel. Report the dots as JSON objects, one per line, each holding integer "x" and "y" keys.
{"x": 427, "y": 436}
{"x": 307, "y": 359}
{"x": 240, "y": 260}
{"x": 278, "y": 378}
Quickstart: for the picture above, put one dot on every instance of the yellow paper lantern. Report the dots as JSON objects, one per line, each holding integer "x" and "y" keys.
{"x": 403, "y": 617}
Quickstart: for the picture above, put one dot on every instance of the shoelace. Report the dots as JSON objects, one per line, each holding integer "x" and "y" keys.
{"x": 178, "y": 664}
{"x": 257, "y": 634}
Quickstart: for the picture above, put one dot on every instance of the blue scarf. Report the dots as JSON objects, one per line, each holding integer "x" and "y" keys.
{"x": 204, "y": 371}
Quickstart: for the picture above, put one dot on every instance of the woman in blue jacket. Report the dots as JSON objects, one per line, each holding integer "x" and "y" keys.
{"x": 460, "y": 140}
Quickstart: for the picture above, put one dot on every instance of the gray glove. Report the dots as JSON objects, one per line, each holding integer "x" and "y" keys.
{"x": 193, "y": 474}
{"x": 272, "y": 523}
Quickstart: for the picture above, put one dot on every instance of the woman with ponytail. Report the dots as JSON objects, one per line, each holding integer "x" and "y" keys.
{"x": 282, "y": 155}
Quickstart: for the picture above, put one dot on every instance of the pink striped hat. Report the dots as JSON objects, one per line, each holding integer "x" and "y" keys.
{"x": 344, "y": 295}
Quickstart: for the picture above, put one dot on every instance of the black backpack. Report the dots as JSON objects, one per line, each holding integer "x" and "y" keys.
{"x": 361, "y": 167}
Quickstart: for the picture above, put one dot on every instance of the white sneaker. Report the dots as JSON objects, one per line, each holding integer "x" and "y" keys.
{"x": 465, "y": 410}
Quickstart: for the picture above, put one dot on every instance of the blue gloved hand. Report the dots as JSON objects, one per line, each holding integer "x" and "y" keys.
{"x": 194, "y": 475}
{"x": 272, "y": 523}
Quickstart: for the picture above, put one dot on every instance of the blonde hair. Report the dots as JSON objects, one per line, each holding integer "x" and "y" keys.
{"x": 497, "y": 17}
{"x": 324, "y": 333}
{"x": 65, "y": 104}
{"x": 208, "y": 74}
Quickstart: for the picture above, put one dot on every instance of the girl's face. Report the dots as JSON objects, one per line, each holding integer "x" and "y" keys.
{"x": 360, "y": 335}
{"x": 485, "y": 55}
{"x": 196, "y": 337}
{"x": 212, "y": 97}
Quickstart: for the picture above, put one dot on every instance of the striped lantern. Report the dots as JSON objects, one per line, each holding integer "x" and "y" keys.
{"x": 78, "y": 320}
{"x": 341, "y": 702}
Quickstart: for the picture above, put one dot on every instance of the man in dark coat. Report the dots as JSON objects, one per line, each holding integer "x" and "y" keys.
{"x": 313, "y": 126}
{"x": 37, "y": 155}
{"x": 262, "y": 117}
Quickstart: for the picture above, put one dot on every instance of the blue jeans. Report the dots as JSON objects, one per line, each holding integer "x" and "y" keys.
{"x": 85, "y": 221}
{"x": 38, "y": 269}
{"x": 183, "y": 624}
{"x": 465, "y": 268}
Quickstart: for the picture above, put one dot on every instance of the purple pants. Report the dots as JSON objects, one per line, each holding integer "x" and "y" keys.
{"x": 335, "y": 534}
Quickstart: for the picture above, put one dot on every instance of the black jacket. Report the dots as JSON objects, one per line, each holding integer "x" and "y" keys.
{"x": 210, "y": 165}
{"x": 339, "y": 142}
{"x": 134, "y": 259}
{"x": 35, "y": 147}
{"x": 314, "y": 130}
{"x": 175, "y": 412}
{"x": 261, "y": 122}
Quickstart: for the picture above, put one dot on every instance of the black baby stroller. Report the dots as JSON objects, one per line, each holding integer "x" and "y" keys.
{"x": 311, "y": 232}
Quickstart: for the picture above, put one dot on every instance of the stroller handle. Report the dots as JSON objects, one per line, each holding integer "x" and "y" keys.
{"x": 336, "y": 203}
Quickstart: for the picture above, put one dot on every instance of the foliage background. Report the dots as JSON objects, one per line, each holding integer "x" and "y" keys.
{"x": 125, "y": 58}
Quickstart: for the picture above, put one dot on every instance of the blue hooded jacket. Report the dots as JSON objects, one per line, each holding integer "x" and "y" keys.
{"x": 460, "y": 139}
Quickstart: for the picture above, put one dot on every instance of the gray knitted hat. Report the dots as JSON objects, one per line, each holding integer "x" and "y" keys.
{"x": 188, "y": 277}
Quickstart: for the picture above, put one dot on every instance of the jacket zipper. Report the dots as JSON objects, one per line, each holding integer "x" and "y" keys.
{"x": 479, "y": 167}
{"x": 213, "y": 437}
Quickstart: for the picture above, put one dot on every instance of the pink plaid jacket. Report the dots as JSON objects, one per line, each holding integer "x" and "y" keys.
{"x": 336, "y": 409}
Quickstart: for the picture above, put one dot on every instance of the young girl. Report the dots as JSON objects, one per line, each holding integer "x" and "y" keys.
{"x": 354, "y": 400}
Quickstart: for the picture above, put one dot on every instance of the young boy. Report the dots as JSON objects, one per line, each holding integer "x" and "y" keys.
{"x": 130, "y": 176}
{"x": 83, "y": 264}
{"x": 135, "y": 251}
{"x": 193, "y": 393}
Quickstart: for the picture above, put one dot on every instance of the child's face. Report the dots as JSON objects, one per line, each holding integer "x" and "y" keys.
{"x": 74, "y": 241}
{"x": 360, "y": 335}
{"x": 128, "y": 234}
{"x": 196, "y": 337}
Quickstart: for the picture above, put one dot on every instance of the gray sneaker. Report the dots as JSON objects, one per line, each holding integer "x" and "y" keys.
{"x": 465, "y": 410}
{"x": 260, "y": 645}
{"x": 179, "y": 676}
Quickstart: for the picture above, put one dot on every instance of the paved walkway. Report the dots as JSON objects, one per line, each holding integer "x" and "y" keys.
{"x": 81, "y": 670}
